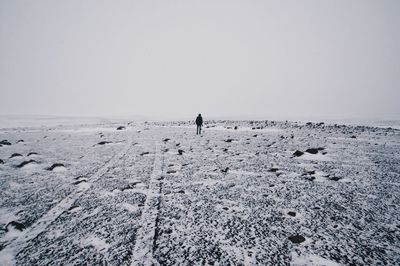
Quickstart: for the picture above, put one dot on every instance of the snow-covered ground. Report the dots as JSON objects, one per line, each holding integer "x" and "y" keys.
{"x": 156, "y": 193}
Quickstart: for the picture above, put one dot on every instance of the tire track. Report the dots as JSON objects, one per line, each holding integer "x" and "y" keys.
{"x": 145, "y": 240}
{"x": 17, "y": 245}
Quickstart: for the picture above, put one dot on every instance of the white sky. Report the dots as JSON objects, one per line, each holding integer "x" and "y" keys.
{"x": 272, "y": 59}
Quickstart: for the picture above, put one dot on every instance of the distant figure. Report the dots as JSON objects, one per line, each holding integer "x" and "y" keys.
{"x": 199, "y": 123}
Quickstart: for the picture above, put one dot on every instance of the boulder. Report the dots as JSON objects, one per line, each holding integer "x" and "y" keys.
{"x": 15, "y": 155}
{"x": 312, "y": 151}
{"x": 297, "y": 239}
{"x": 16, "y": 225}
{"x": 51, "y": 168}
{"x": 5, "y": 142}
{"x": 25, "y": 163}
{"x": 298, "y": 153}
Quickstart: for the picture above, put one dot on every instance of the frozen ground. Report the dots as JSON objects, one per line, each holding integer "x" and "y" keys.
{"x": 155, "y": 193}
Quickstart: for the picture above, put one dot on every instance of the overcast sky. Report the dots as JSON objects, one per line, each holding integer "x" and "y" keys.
{"x": 272, "y": 59}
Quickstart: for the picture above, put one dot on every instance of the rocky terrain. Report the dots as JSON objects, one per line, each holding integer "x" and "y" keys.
{"x": 242, "y": 193}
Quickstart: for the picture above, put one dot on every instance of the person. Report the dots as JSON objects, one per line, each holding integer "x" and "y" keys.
{"x": 199, "y": 123}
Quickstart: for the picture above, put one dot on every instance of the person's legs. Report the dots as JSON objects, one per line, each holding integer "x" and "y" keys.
{"x": 197, "y": 130}
{"x": 200, "y": 130}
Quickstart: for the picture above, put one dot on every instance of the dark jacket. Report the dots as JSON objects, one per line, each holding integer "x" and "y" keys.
{"x": 199, "y": 121}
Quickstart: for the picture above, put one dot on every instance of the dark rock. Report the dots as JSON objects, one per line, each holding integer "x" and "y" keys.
{"x": 293, "y": 214}
{"x": 229, "y": 140}
{"x": 298, "y": 153}
{"x": 32, "y": 153}
{"x": 180, "y": 152}
{"x": 5, "y": 142}
{"x": 225, "y": 170}
{"x": 165, "y": 140}
{"x": 15, "y": 155}
{"x": 225, "y": 208}
{"x": 312, "y": 151}
{"x": 20, "y": 140}
{"x": 51, "y": 168}
{"x": 1, "y": 161}
{"x": 25, "y": 163}
{"x": 273, "y": 169}
{"x": 235, "y": 128}
{"x": 17, "y": 225}
{"x": 144, "y": 153}
{"x": 320, "y": 148}
{"x": 171, "y": 172}
{"x": 335, "y": 178}
{"x": 255, "y": 136}
{"x": 353, "y": 137}
{"x": 297, "y": 239}
{"x": 120, "y": 128}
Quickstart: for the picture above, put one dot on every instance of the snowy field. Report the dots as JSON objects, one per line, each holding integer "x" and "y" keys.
{"x": 265, "y": 193}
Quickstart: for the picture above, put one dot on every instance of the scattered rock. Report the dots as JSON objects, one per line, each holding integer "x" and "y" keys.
{"x": 166, "y": 140}
{"x": 297, "y": 239}
{"x": 1, "y": 161}
{"x": 51, "y": 168}
{"x": 235, "y": 128}
{"x": 293, "y": 214}
{"x": 16, "y": 225}
{"x": 353, "y": 137}
{"x": 229, "y": 140}
{"x": 5, "y": 142}
{"x": 15, "y": 155}
{"x": 298, "y": 153}
{"x": 32, "y": 153}
{"x": 25, "y": 163}
{"x": 171, "y": 172}
{"x": 225, "y": 208}
{"x": 180, "y": 152}
{"x": 144, "y": 153}
{"x": 335, "y": 178}
{"x": 20, "y": 140}
{"x": 273, "y": 169}
{"x": 225, "y": 170}
{"x": 312, "y": 151}
{"x": 120, "y": 128}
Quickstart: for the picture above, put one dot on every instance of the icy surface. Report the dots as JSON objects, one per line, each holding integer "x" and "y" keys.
{"x": 91, "y": 194}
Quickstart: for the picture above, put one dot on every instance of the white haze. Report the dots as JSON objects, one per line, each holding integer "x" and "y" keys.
{"x": 174, "y": 59}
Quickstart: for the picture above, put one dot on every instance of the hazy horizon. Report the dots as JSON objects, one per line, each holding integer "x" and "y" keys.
{"x": 172, "y": 60}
